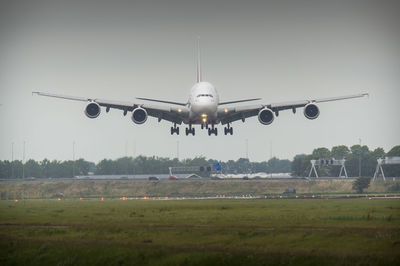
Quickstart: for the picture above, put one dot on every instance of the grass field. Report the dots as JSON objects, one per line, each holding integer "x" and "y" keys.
{"x": 200, "y": 232}
{"x": 119, "y": 188}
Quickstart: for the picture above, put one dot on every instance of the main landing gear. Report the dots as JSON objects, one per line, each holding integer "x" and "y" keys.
{"x": 212, "y": 130}
{"x": 228, "y": 129}
{"x": 190, "y": 130}
{"x": 175, "y": 129}
{"x": 210, "y": 127}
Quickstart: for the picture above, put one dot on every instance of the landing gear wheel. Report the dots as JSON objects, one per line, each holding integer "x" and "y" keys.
{"x": 189, "y": 130}
{"x": 174, "y": 129}
{"x": 228, "y": 130}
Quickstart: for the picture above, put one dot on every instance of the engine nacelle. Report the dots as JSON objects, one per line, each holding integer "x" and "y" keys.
{"x": 92, "y": 110}
{"x": 139, "y": 115}
{"x": 265, "y": 116}
{"x": 311, "y": 111}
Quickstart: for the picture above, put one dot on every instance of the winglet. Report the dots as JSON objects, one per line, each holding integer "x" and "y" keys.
{"x": 198, "y": 76}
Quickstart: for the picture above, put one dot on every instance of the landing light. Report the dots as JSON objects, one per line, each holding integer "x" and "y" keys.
{"x": 204, "y": 120}
{"x": 179, "y": 110}
{"x": 204, "y": 115}
{"x": 226, "y": 110}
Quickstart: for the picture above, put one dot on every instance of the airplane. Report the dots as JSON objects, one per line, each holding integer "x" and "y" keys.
{"x": 202, "y": 108}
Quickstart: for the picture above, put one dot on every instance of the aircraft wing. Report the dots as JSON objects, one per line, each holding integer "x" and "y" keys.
{"x": 170, "y": 113}
{"x": 231, "y": 114}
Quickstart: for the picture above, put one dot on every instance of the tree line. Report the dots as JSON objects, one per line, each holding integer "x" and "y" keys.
{"x": 300, "y": 166}
{"x": 132, "y": 166}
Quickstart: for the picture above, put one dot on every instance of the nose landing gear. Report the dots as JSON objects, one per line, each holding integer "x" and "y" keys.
{"x": 204, "y": 126}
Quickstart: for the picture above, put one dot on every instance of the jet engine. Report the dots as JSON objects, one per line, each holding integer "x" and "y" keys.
{"x": 311, "y": 111}
{"x": 92, "y": 110}
{"x": 139, "y": 115}
{"x": 265, "y": 116}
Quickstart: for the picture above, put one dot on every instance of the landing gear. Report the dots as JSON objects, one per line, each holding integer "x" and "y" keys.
{"x": 190, "y": 130}
{"x": 174, "y": 129}
{"x": 228, "y": 129}
{"x": 212, "y": 130}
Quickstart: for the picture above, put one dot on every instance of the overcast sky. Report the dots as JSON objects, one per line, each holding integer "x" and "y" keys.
{"x": 119, "y": 50}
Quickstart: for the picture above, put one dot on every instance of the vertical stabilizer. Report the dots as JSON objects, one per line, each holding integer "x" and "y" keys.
{"x": 198, "y": 76}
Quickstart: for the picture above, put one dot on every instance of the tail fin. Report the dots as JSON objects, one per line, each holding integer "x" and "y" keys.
{"x": 198, "y": 61}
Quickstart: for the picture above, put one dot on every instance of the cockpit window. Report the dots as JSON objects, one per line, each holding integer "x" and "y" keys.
{"x": 204, "y": 95}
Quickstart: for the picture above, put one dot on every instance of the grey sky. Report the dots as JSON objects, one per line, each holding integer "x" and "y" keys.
{"x": 277, "y": 50}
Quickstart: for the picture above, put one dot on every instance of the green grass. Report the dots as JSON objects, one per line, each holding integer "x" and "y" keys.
{"x": 203, "y": 232}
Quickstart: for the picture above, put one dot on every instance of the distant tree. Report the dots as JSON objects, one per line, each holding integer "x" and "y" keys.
{"x": 259, "y": 167}
{"x": 82, "y": 167}
{"x": 5, "y": 169}
{"x": 45, "y": 166}
{"x": 105, "y": 167}
{"x": 196, "y": 161}
{"x": 321, "y": 153}
{"x": 340, "y": 152}
{"x": 300, "y": 165}
{"x": 17, "y": 165}
{"x": 32, "y": 169}
{"x": 353, "y": 161}
{"x": 279, "y": 166}
{"x": 378, "y": 153}
{"x": 243, "y": 166}
{"x": 230, "y": 167}
{"x": 361, "y": 183}
{"x": 123, "y": 166}
{"x": 395, "y": 151}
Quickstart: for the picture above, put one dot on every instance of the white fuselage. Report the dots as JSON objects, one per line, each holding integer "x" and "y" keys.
{"x": 203, "y": 103}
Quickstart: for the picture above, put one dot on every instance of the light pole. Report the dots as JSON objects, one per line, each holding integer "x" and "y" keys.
{"x": 359, "y": 161}
{"x": 12, "y": 159}
{"x": 247, "y": 149}
{"x": 23, "y": 161}
{"x": 73, "y": 158}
